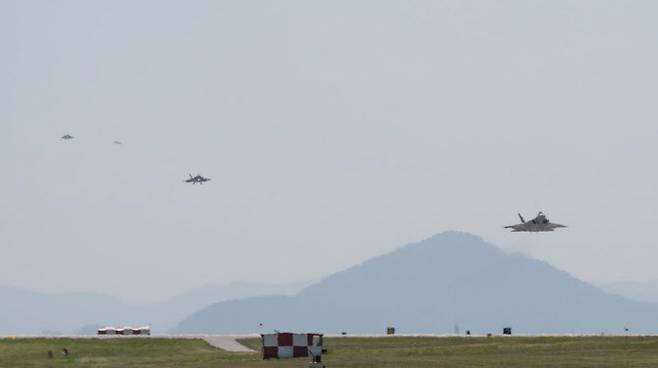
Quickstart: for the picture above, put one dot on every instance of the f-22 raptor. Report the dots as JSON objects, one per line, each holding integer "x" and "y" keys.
{"x": 538, "y": 224}
{"x": 197, "y": 179}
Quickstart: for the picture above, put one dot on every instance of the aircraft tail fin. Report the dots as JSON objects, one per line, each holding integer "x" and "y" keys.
{"x": 521, "y": 217}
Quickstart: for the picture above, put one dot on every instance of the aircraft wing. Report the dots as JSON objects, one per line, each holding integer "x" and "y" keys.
{"x": 555, "y": 226}
{"x": 519, "y": 227}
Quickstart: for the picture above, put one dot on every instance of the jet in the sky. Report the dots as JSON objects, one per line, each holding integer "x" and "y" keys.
{"x": 538, "y": 224}
{"x": 197, "y": 179}
{"x": 117, "y": 142}
{"x": 68, "y": 136}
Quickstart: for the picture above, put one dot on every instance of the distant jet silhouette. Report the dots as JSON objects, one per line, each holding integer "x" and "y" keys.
{"x": 197, "y": 179}
{"x": 538, "y": 224}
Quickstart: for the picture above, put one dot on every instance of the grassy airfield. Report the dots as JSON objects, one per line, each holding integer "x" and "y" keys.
{"x": 343, "y": 352}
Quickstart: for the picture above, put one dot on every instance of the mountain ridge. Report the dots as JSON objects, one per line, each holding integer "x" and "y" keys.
{"x": 81, "y": 312}
{"x": 449, "y": 279}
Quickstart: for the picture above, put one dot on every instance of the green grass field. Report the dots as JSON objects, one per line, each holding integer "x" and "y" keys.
{"x": 343, "y": 352}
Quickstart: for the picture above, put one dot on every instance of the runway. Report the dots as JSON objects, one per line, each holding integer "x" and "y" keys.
{"x": 228, "y": 343}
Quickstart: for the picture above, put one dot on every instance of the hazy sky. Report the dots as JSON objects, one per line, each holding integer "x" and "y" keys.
{"x": 333, "y": 131}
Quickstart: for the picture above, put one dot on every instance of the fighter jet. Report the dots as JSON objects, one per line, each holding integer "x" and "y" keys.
{"x": 67, "y": 137}
{"x": 197, "y": 179}
{"x": 538, "y": 224}
{"x": 117, "y": 142}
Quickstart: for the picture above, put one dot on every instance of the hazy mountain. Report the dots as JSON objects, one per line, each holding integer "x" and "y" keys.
{"x": 167, "y": 314}
{"x": 27, "y": 312}
{"x": 431, "y": 286}
{"x": 641, "y": 291}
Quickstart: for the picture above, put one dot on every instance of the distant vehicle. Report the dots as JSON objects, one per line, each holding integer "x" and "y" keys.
{"x": 538, "y": 224}
{"x": 145, "y": 330}
{"x": 197, "y": 179}
{"x": 117, "y": 142}
{"x": 67, "y": 136}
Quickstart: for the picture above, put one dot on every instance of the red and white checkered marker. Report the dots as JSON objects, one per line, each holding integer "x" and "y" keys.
{"x": 289, "y": 345}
